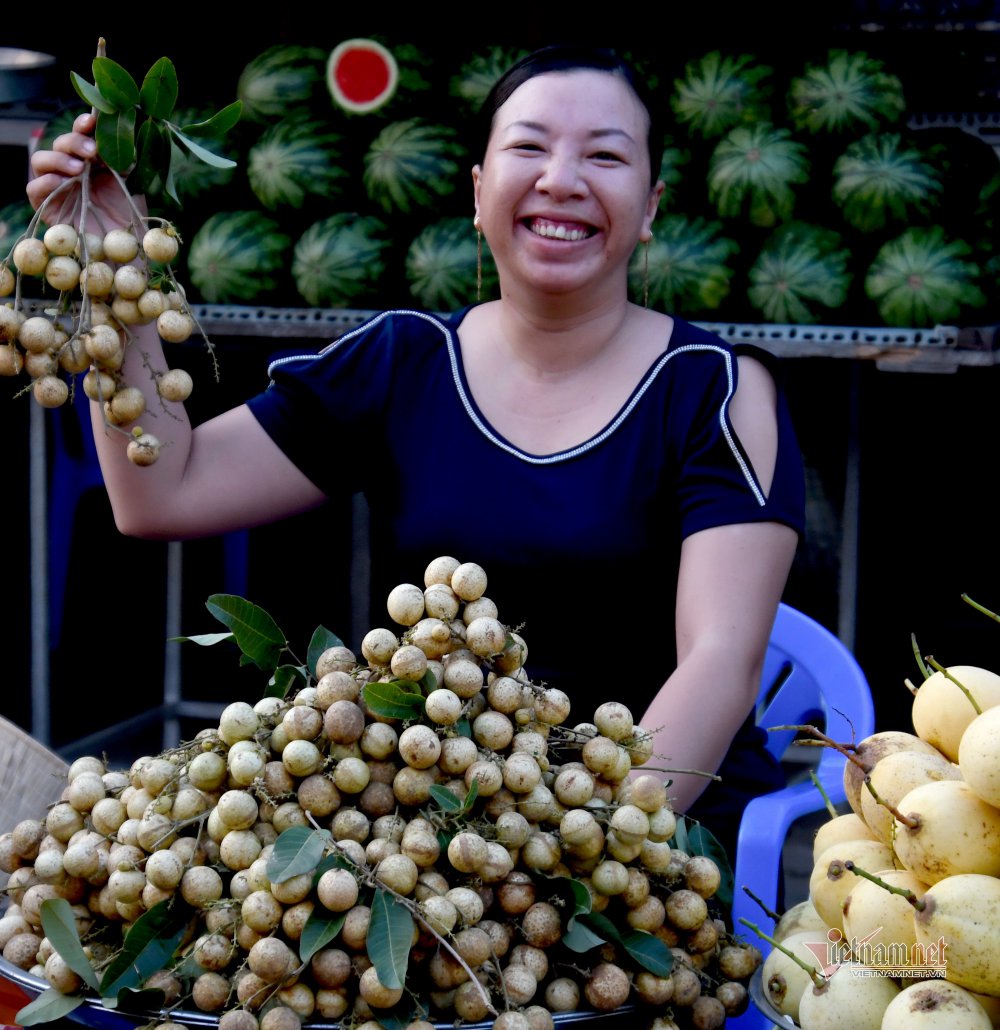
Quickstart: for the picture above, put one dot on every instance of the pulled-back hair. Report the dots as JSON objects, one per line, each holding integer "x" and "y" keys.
{"x": 568, "y": 58}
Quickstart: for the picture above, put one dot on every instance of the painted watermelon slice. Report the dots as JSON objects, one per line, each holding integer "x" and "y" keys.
{"x": 362, "y": 75}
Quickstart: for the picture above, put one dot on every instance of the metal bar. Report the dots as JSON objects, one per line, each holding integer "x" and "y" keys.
{"x": 41, "y": 716}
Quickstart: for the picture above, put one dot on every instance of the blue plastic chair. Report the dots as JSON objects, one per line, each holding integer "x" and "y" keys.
{"x": 74, "y": 470}
{"x": 809, "y": 676}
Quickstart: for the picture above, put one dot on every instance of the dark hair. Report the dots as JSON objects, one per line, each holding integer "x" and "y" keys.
{"x": 567, "y": 58}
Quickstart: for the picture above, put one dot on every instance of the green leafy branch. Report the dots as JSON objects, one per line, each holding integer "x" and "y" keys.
{"x": 134, "y": 130}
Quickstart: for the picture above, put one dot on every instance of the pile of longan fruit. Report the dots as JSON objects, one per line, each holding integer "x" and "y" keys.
{"x": 536, "y": 801}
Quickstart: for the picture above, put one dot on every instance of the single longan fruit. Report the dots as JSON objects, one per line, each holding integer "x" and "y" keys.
{"x": 406, "y": 604}
{"x": 175, "y": 385}
{"x": 469, "y": 581}
{"x": 174, "y": 326}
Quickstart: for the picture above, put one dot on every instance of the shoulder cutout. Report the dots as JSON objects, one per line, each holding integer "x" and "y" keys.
{"x": 753, "y": 413}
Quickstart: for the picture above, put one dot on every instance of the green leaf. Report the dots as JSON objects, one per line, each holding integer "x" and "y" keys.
{"x": 443, "y": 839}
{"x": 159, "y": 89}
{"x": 322, "y": 639}
{"x": 176, "y": 157}
{"x": 48, "y": 1006}
{"x": 680, "y": 841}
{"x": 445, "y": 799}
{"x": 321, "y": 928}
{"x": 390, "y": 934}
{"x": 256, "y": 632}
{"x": 580, "y": 938}
{"x": 147, "y": 947}
{"x": 90, "y": 94}
{"x": 150, "y": 154}
{"x": 219, "y": 124}
{"x": 463, "y": 727}
{"x": 392, "y": 701}
{"x": 284, "y": 679}
{"x": 602, "y": 925}
{"x": 204, "y": 639}
{"x": 428, "y": 682}
{"x": 650, "y": 952}
{"x": 571, "y": 891}
{"x": 59, "y": 925}
{"x": 115, "y": 136}
{"x": 201, "y": 152}
{"x": 701, "y": 841}
{"x": 115, "y": 84}
{"x": 470, "y": 797}
{"x": 297, "y": 850}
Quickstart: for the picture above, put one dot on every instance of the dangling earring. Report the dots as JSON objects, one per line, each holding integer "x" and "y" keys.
{"x": 479, "y": 258}
{"x": 645, "y": 271}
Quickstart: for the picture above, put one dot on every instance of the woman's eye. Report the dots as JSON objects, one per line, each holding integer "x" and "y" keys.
{"x": 607, "y": 155}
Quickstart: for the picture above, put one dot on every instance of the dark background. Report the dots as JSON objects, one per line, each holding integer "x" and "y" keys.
{"x": 927, "y": 441}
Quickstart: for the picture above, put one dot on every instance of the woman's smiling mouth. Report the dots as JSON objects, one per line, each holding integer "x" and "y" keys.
{"x": 571, "y": 231}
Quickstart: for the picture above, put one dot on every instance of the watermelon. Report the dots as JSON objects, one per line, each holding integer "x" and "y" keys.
{"x": 718, "y": 93}
{"x": 476, "y": 77}
{"x": 670, "y": 170}
{"x": 800, "y": 275}
{"x": 236, "y": 257}
{"x": 340, "y": 259}
{"x": 754, "y": 167}
{"x": 294, "y": 161}
{"x": 411, "y": 164}
{"x": 361, "y": 75}
{"x": 14, "y": 219}
{"x": 687, "y": 265}
{"x": 848, "y": 92}
{"x": 921, "y": 279}
{"x": 278, "y": 79}
{"x": 878, "y": 178}
{"x": 441, "y": 266}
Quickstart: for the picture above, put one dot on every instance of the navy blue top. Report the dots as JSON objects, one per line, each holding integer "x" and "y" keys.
{"x": 386, "y": 409}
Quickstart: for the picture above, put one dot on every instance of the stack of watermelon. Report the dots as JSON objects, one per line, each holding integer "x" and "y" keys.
{"x": 794, "y": 193}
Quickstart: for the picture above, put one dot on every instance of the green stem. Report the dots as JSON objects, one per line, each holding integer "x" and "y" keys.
{"x": 948, "y": 676}
{"x": 916, "y": 654}
{"x": 817, "y": 977}
{"x": 753, "y": 897}
{"x": 918, "y": 903}
{"x": 979, "y": 608}
{"x": 906, "y": 820}
{"x": 823, "y": 794}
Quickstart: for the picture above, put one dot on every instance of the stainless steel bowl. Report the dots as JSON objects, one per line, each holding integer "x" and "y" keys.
{"x": 93, "y": 1014}
{"x": 25, "y": 74}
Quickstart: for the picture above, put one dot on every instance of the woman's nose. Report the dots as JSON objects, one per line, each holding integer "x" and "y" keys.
{"x": 561, "y": 176}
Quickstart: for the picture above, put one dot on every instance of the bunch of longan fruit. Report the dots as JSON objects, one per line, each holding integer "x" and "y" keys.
{"x": 474, "y": 809}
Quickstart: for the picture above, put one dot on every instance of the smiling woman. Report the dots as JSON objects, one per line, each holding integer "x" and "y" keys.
{"x": 615, "y": 469}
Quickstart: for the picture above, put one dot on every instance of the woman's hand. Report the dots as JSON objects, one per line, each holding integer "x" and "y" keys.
{"x": 70, "y": 155}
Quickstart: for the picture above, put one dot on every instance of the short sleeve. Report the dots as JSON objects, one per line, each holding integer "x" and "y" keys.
{"x": 324, "y": 409}
{"x": 717, "y": 484}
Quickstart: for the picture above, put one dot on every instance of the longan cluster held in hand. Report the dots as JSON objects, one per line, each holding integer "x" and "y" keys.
{"x": 107, "y": 284}
{"x": 470, "y": 810}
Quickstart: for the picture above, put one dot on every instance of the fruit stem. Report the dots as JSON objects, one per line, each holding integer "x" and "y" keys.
{"x": 818, "y": 979}
{"x": 903, "y": 892}
{"x": 979, "y": 608}
{"x": 822, "y": 740}
{"x": 916, "y": 654}
{"x": 908, "y": 683}
{"x": 906, "y": 820}
{"x": 948, "y": 676}
{"x": 753, "y": 897}
{"x": 690, "y": 772}
{"x": 194, "y": 318}
{"x": 823, "y": 794}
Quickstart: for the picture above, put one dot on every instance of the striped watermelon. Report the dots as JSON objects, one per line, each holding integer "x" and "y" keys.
{"x": 236, "y": 257}
{"x": 441, "y": 266}
{"x": 412, "y": 164}
{"x": 278, "y": 79}
{"x": 340, "y": 259}
{"x": 294, "y": 161}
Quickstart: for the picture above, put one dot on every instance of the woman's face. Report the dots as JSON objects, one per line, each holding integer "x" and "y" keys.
{"x": 563, "y": 194}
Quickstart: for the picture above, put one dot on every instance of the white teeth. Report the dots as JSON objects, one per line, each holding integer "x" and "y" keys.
{"x": 557, "y": 232}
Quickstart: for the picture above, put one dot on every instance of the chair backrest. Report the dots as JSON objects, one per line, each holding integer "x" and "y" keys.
{"x": 809, "y": 675}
